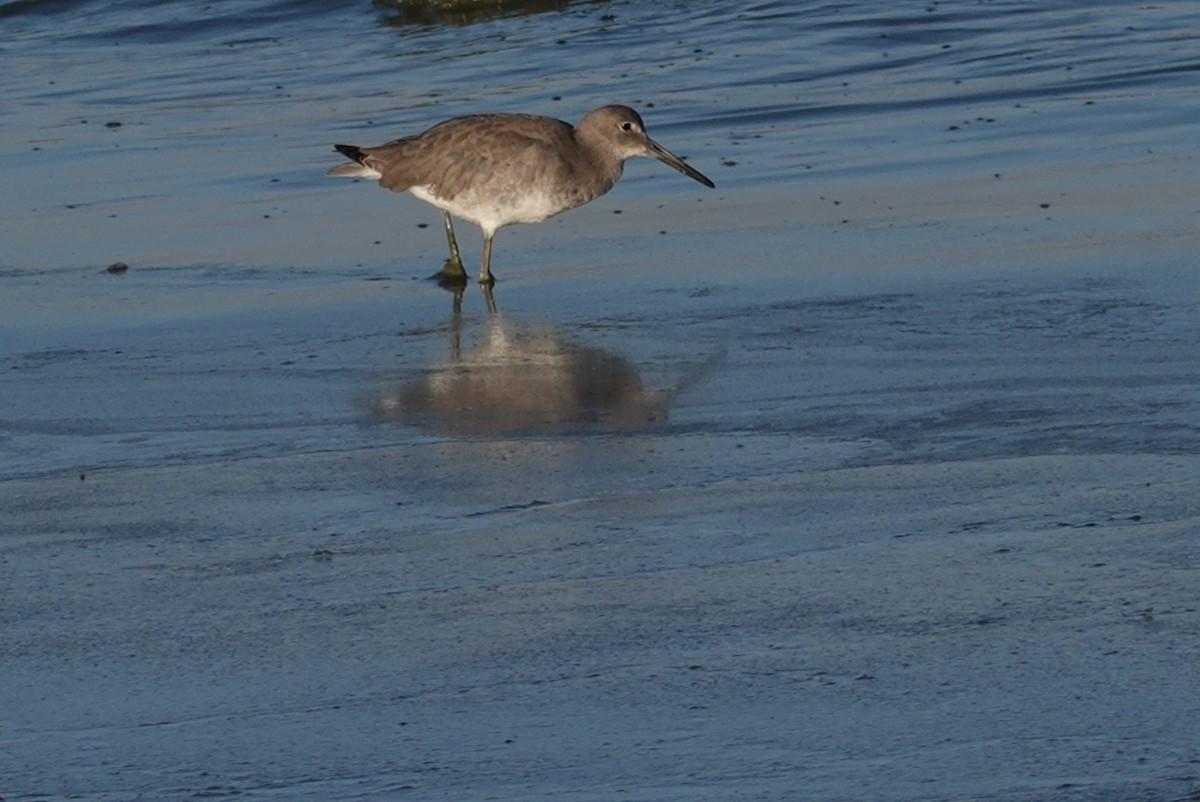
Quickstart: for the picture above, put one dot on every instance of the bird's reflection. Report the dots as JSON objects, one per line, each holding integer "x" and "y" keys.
{"x": 522, "y": 379}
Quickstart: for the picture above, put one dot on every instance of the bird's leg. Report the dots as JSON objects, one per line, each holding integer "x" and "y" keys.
{"x": 485, "y": 270}
{"x": 486, "y": 286}
{"x": 450, "y": 240}
{"x": 456, "y": 324}
{"x": 453, "y": 273}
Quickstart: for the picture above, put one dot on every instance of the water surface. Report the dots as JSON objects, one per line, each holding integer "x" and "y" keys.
{"x": 869, "y": 474}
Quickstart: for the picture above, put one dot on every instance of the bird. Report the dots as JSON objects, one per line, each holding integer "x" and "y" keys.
{"x": 500, "y": 168}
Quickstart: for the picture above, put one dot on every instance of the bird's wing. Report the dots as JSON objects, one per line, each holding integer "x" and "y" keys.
{"x": 467, "y": 152}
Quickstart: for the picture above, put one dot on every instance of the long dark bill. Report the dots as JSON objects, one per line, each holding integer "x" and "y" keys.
{"x": 667, "y": 157}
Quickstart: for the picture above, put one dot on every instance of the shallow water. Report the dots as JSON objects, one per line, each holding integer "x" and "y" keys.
{"x": 169, "y": 135}
{"x": 869, "y": 474}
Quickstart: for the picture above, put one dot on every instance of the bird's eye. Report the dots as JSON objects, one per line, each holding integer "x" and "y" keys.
{"x": 626, "y": 126}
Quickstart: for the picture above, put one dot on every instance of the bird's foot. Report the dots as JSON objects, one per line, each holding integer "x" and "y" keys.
{"x": 452, "y": 276}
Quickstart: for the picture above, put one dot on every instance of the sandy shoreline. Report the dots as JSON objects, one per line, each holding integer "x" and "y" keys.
{"x": 874, "y": 626}
{"x": 935, "y": 543}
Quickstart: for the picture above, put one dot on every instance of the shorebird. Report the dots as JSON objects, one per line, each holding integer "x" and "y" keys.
{"x": 497, "y": 169}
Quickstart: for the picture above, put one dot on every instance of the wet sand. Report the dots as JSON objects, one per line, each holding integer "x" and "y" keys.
{"x": 878, "y": 481}
{"x": 895, "y": 537}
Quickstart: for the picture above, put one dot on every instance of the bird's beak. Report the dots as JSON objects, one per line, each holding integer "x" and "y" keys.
{"x": 667, "y": 157}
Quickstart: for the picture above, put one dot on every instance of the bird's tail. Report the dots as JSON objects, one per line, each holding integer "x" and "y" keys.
{"x": 351, "y": 152}
{"x": 355, "y": 168}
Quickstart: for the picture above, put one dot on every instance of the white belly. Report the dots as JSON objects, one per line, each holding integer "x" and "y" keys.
{"x": 491, "y": 211}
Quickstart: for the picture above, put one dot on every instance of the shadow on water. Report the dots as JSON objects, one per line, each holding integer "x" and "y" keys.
{"x": 402, "y": 13}
{"x": 522, "y": 379}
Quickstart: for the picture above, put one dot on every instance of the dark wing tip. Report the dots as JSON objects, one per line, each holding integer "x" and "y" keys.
{"x": 351, "y": 152}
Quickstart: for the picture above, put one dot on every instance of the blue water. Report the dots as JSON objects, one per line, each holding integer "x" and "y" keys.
{"x": 949, "y": 238}
{"x": 177, "y": 133}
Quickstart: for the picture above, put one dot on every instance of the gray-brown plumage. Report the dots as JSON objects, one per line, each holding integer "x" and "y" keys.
{"x": 497, "y": 169}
